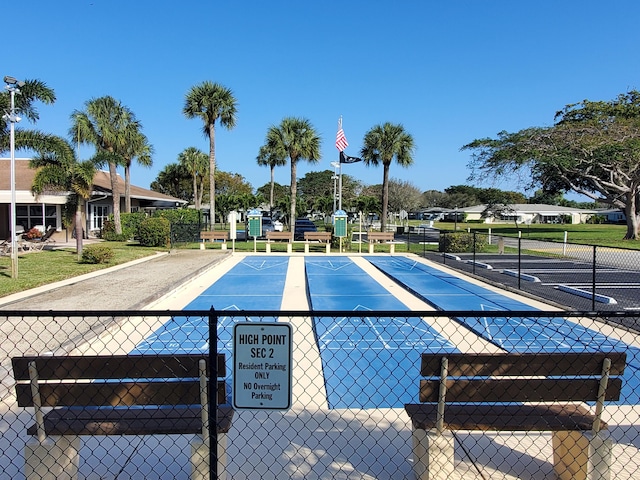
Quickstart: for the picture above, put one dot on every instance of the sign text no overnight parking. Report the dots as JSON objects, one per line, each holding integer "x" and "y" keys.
{"x": 262, "y": 366}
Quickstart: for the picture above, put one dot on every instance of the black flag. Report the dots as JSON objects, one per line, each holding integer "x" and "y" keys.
{"x": 347, "y": 159}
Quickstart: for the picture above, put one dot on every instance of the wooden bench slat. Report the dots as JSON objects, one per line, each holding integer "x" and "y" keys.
{"x": 113, "y": 366}
{"x": 319, "y": 236}
{"x": 380, "y": 237}
{"x": 517, "y": 364}
{"x": 519, "y": 390}
{"x": 122, "y": 393}
{"x": 273, "y": 235}
{"x": 138, "y": 421}
{"x": 214, "y": 235}
{"x": 556, "y": 417}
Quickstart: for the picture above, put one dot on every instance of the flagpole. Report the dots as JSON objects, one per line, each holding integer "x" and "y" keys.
{"x": 340, "y": 189}
{"x": 341, "y": 143}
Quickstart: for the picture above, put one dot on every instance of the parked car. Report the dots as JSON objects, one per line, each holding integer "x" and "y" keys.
{"x": 267, "y": 226}
{"x": 303, "y": 225}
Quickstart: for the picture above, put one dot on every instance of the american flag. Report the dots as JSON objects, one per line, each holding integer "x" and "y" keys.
{"x": 341, "y": 140}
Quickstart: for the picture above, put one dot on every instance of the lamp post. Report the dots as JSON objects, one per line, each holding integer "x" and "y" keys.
{"x": 12, "y": 85}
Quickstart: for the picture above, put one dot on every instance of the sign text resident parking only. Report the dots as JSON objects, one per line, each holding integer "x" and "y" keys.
{"x": 262, "y": 366}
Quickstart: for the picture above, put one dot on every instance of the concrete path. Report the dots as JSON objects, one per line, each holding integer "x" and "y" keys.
{"x": 123, "y": 287}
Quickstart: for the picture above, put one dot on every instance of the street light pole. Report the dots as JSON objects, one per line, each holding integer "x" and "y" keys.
{"x": 12, "y": 86}
{"x": 340, "y": 189}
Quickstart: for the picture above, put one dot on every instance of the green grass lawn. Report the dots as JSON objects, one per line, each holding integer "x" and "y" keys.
{"x": 585, "y": 234}
{"x": 48, "y": 266}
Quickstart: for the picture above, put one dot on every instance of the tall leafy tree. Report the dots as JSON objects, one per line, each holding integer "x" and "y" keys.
{"x": 323, "y": 205}
{"x": 211, "y": 102}
{"x": 297, "y": 139}
{"x": 174, "y": 179}
{"x": 232, "y": 184}
{"x": 60, "y": 171}
{"x": 593, "y": 149}
{"x": 107, "y": 125}
{"x": 368, "y": 204}
{"x": 279, "y": 191}
{"x": 25, "y": 104}
{"x": 381, "y": 145}
{"x": 271, "y": 159}
{"x": 403, "y": 195}
{"x": 197, "y": 164}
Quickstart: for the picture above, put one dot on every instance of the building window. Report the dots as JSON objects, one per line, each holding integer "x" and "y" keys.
{"x": 31, "y": 215}
{"x": 99, "y": 215}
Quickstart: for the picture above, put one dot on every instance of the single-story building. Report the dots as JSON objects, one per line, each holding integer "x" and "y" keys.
{"x": 528, "y": 213}
{"x": 612, "y": 215}
{"x": 46, "y": 210}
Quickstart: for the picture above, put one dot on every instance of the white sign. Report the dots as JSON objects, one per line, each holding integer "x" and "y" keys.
{"x": 232, "y": 220}
{"x": 262, "y": 366}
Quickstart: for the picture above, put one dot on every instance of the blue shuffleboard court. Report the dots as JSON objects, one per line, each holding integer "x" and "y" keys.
{"x": 256, "y": 283}
{"x": 446, "y": 291}
{"x": 368, "y": 362}
{"x": 371, "y": 362}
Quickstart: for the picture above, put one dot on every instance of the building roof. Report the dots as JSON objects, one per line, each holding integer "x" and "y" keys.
{"x": 531, "y": 208}
{"x": 101, "y": 182}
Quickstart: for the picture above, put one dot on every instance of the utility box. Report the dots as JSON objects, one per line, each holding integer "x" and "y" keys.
{"x": 255, "y": 223}
{"x": 340, "y": 223}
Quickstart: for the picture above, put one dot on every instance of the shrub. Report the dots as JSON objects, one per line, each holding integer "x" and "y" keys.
{"x": 97, "y": 253}
{"x": 131, "y": 224}
{"x": 460, "y": 242}
{"x": 109, "y": 232}
{"x": 155, "y": 232}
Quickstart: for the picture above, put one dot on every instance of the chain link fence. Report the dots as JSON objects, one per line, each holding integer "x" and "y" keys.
{"x": 583, "y": 277}
{"x": 352, "y": 375}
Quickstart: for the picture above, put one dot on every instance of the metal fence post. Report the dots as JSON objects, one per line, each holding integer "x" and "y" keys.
{"x": 474, "y": 252}
{"x": 213, "y": 394}
{"x": 519, "y": 261}
{"x": 593, "y": 280}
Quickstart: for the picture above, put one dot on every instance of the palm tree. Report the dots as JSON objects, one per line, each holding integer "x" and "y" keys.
{"x": 210, "y": 102}
{"x": 272, "y": 159}
{"x": 380, "y": 145}
{"x": 197, "y": 164}
{"x": 60, "y": 171}
{"x": 31, "y": 91}
{"x": 107, "y": 125}
{"x": 323, "y": 205}
{"x": 137, "y": 146}
{"x": 297, "y": 139}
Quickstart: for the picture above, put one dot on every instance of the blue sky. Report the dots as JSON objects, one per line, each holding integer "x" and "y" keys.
{"x": 448, "y": 71}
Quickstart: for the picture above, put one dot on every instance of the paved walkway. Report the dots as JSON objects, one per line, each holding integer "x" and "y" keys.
{"x": 130, "y": 286}
{"x": 124, "y": 287}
